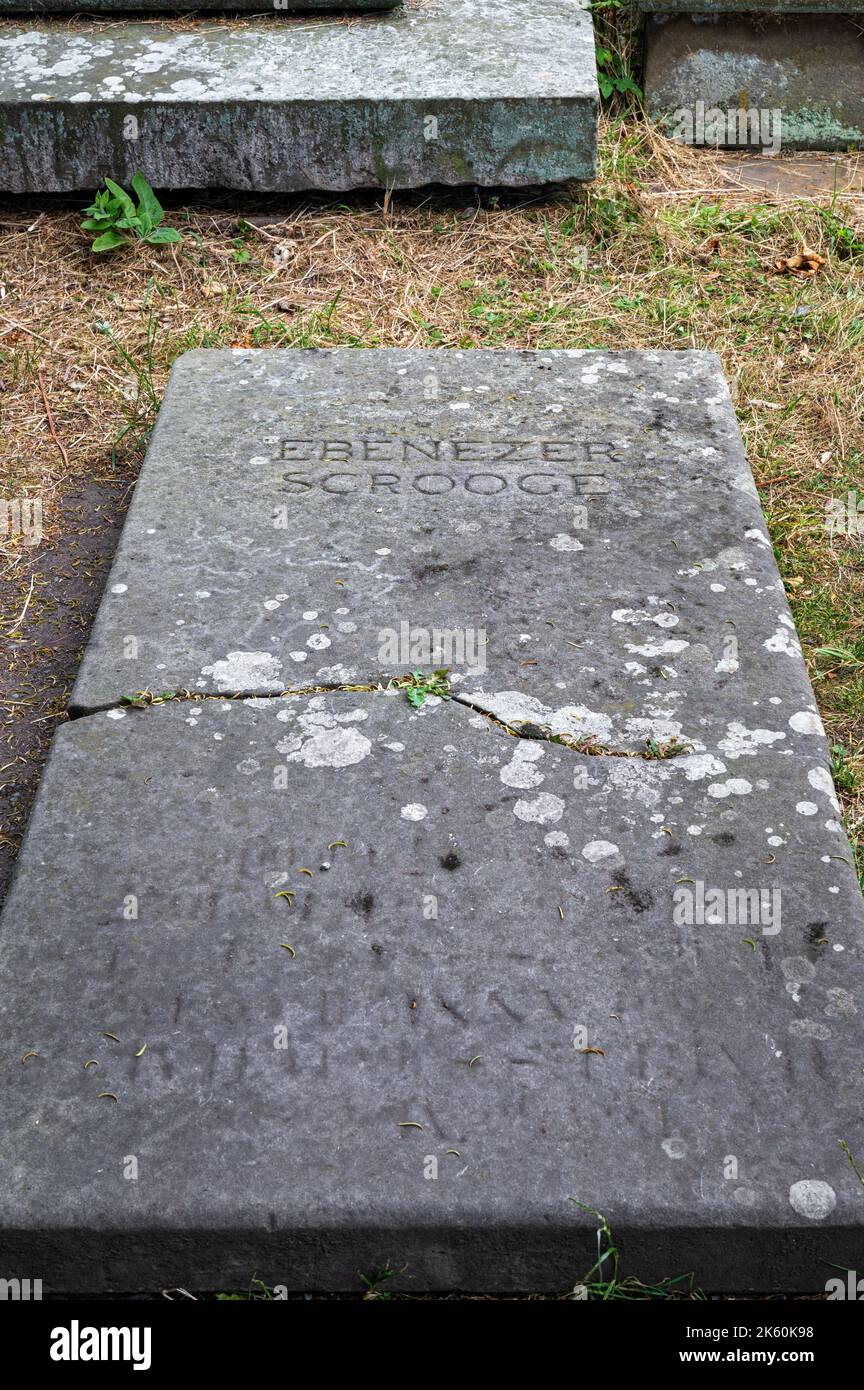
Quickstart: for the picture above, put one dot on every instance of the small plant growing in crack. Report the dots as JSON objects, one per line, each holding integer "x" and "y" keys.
{"x": 673, "y": 749}
{"x": 143, "y": 698}
{"x": 417, "y": 686}
{"x": 589, "y": 746}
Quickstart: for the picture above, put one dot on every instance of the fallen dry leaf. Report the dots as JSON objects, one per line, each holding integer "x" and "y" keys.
{"x": 806, "y": 262}
{"x": 712, "y": 247}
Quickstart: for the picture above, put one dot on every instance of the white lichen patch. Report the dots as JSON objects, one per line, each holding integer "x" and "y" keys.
{"x": 545, "y": 809}
{"x": 758, "y": 536}
{"x": 557, "y": 839}
{"x": 812, "y": 1199}
{"x": 520, "y": 771}
{"x": 637, "y": 781}
{"x": 325, "y": 739}
{"x": 806, "y": 721}
{"x": 740, "y": 740}
{"x": 698, "y": 766}
{"x": 639, "y": 615}
{"x": 820, "y": 780}
{"x": 415, "y": 810}
{"x": 514, "y": 707}
{"x": 733, "y": 786}
{"x": 784, "y": 639}
{"x": 245, "y": 671}
{"x": 731, "y": 558}
{"x": 597, "y": 850}
{"x": 670, "y": 647}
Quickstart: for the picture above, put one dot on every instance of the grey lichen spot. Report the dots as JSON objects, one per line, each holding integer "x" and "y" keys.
{"x": 810, "y": 1028}
{"x": 812, "y": 1199}
{"x": 842, "y": 1004}
{"x": 797, "y": 969}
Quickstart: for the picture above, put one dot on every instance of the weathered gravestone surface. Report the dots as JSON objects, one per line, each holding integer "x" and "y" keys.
{"x": 453, "y": 92}
{"x": 798, "y": 73}
{"x": 512, "y": 974}
{"x": 296, "y": 509}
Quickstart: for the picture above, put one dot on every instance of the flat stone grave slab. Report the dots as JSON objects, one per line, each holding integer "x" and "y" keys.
{"x": 452, "y": 92}
{"x": 578, "y": 532}
{"x": 372, "y": 985}
{"x": 509, "y": 978}
{"x": 801, "y": 74}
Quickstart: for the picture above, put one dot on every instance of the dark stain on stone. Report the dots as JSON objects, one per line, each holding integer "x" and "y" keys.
{"x": 450, "y": 860}
{"x": 639, "y": 900}
{"x": 377, "y": 948}
{"x": 816, "y": 934}
{"x": 724, "y": 838}
{"x": 529, "y": 730}
{"x": 428, "y": 571}
{"x": 362, "y": 904}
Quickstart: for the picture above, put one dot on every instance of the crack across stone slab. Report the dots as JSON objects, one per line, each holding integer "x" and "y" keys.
{"x": 435, "y": 685}
{"x": 526, "y": 728}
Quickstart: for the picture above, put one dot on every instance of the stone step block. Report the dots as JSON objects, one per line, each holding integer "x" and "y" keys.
{"x": 463, "y": 92}
{"x": 799, "y": 78}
